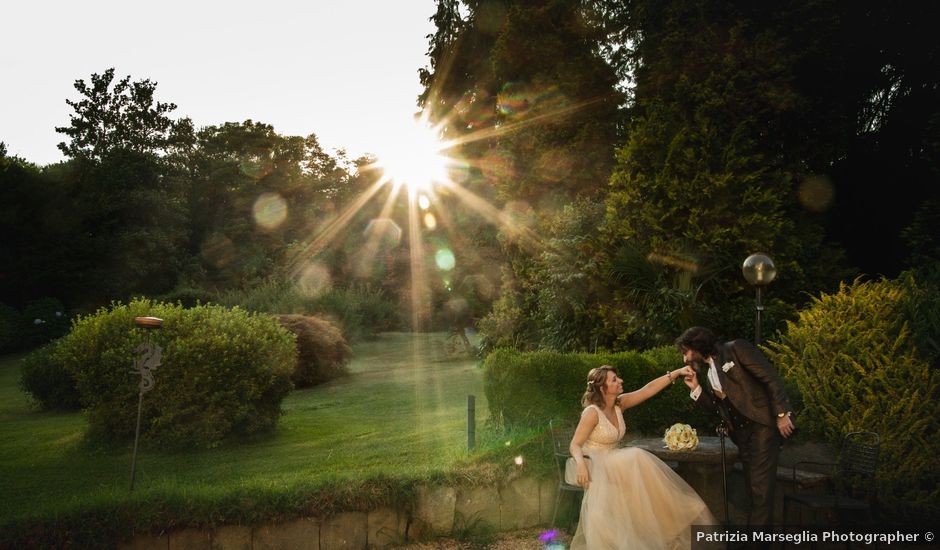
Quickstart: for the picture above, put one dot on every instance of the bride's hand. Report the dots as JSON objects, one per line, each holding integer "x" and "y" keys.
{"x": 691, "y": 380}
{"x": 685, "y": 372}
{"x": 584, "y": 477}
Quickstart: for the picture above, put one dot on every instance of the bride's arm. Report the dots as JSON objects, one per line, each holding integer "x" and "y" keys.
{"x": 654, "y": 386}
{"x": 585, "y": 427}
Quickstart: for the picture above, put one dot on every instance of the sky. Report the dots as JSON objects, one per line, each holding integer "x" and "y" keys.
{"x": 345, "y": 70}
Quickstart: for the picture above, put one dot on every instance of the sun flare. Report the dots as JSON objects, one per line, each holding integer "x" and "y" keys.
{"x": 414, "y": 157}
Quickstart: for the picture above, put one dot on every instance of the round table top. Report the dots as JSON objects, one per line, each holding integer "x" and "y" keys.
{"x": 707, "y": 451}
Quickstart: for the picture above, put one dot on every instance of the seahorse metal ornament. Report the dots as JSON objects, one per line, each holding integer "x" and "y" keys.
{"x": 149, "y": 361}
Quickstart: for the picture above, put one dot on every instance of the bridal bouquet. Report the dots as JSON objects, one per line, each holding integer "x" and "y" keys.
{"x": 680, "y": 437}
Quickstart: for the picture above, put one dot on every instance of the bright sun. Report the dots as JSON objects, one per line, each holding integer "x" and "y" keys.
{"x": 414, "y": 157}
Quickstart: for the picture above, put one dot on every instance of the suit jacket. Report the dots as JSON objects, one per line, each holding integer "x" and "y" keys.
{"x": 752, "y": 384}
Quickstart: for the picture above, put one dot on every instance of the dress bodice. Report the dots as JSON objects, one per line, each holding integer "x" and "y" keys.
{"x": 605, "y": 435}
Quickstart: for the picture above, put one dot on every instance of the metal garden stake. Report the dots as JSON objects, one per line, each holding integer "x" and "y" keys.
{"x": 149, "y": 354}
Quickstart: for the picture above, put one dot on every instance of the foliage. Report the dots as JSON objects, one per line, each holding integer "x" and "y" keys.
{"x": 529, "y": 74}
{"x": 9, "y": 325}
{"x": 251, "y": 195}
{"x": 45, "y": 320}
{"x": 122, "y": 116}
{"x": 223, "y": 373}
{"x": 701, "y": 182}
{"x": 531, "y": 388}
{"x": 857, "y": 365}
{"x": 322, "y": 352}
{"x": 329, "y": 455}
{"x": 41, "y": 321}
{"x": 507, "y": 325}
{"x": 48, "y": 381}
{"x": 189, "y": 296}
{"x": 361, "y": 312}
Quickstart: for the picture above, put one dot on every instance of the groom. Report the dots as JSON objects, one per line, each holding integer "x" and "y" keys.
{"x": 736, "y": 381}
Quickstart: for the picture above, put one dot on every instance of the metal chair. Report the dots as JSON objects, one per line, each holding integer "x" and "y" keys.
{"x": 853, "y": 478}
{"x": 561, "y": 439}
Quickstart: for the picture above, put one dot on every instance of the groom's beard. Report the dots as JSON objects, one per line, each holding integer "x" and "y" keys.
{"x": 700, "y": 368}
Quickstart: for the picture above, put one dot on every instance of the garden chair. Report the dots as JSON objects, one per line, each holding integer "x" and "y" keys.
{"x": 852, "y": 479}
{"x": 561, "y": 438}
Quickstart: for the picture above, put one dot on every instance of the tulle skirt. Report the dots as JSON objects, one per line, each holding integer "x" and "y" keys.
{"x": 637, "y": 502}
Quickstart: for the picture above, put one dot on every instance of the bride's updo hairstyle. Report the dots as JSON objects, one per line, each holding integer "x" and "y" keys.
{"x": 596, "y": 381}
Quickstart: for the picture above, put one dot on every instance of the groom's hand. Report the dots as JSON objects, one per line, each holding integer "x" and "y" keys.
{"x": 785, "y": 426}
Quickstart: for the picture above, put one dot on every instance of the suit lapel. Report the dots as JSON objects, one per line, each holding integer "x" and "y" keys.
{"x": 720, "y": 360}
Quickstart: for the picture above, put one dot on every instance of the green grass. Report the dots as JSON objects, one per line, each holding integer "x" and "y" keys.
{"x": 399, "y": 417}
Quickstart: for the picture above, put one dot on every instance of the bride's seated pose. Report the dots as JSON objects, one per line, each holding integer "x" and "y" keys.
{"x": 632, "y": 499}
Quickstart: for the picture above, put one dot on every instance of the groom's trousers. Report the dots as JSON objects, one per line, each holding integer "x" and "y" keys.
{"x": 759, "y": 452}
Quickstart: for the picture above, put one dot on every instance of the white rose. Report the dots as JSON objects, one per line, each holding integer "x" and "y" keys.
{"x": 680, "y": 437}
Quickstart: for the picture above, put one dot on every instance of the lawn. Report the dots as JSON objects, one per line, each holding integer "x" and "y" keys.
{"x": 400, "y": 414}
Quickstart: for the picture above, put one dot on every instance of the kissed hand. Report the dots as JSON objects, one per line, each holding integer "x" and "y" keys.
{"x": 691, "y": 380}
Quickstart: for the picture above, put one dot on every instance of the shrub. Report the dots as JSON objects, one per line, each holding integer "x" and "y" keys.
{"x": 223, "y": 372}
{"x": 359, "y": 312}
{"x": 187, "y": 296}
{"x": 270, "y": 296}
{"x": 9, "y": 324}
{"x": 857, "y": 367}
{"x": 47, "y": 381}
{"x": 45, "y": 320}
{"x": 527, "y": 388}
{"x": 322, "y": 352}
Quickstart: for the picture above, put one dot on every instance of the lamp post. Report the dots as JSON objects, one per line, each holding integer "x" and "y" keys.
{"x": 759, "y": 270}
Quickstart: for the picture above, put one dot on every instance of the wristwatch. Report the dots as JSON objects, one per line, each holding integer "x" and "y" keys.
{"x": 787, "y": 414}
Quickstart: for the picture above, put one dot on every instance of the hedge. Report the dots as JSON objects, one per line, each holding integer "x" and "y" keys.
{"x": 531, "y": 388}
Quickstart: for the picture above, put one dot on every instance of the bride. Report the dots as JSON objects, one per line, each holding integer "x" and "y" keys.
{"x": 632, "y": 500}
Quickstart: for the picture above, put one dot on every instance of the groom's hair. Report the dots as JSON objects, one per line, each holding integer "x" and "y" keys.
{"x": 698, "y": 339}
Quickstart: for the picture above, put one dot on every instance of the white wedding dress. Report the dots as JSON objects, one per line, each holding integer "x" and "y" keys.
{"x": 634, "y": 501}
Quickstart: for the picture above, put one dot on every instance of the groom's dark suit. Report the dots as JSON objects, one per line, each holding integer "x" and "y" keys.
{"x": 753, "y": 398}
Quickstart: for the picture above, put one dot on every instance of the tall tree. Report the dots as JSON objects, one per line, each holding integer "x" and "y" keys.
{"x": 524, "y": 87}
{"x": 117, "y": 115}
{"x": 739, "y": 112}
{"x": 120, "y": 181}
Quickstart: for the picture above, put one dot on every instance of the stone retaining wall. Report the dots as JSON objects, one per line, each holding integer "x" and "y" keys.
{"x": 525, "y": 502}
{"x": 439, "y": 510}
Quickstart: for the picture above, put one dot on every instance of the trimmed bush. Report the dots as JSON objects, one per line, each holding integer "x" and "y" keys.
{"x": 224, "y": 372}
{"x": 857, "y": 367}
{"x": 322, "y": 352}
{"x": 48, "y": 382}
{"x": 531, "y": 388}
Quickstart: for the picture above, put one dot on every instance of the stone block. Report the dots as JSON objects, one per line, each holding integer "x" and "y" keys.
{"x": 346, "y": 531}
{"x": 547, "y": 490}
{"x": 231, "y": 537}
{"x": 436, "y": 505}
{"x": 190, "y": 539}
{"x": 386, "y": 527}
{"x": 519, "y": 504}
{"x": 477, "y": 507}
{"x": 299, "y": 534}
